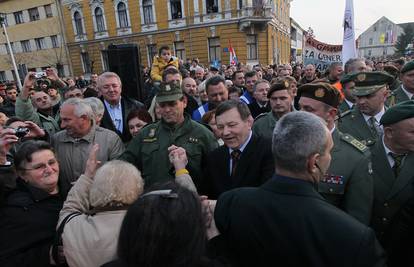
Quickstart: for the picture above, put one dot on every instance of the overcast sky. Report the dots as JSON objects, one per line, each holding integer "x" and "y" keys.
{"x": 325, "y": 16}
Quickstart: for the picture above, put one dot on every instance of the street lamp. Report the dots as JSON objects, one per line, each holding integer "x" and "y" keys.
{"x": 3, "y": 24}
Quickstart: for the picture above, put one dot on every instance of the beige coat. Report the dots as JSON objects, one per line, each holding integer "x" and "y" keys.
{"x": 88, "y": 240}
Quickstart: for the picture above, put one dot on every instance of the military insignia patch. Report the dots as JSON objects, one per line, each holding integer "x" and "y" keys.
{"x": 320, "y": 93}
{"x": 151, "y": 133}
{"x": 286, "y": 84}
{"x": 361, "y": 77}
{"x": 333, "y": 179}
{"x": 193, "y": 140}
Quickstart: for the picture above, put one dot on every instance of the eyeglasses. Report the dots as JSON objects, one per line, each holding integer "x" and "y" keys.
{"x": 42, "y": 166}
{"x": 162, "y": 193}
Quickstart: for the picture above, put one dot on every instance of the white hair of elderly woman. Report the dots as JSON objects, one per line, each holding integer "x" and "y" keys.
{"x": 116, "y": 183}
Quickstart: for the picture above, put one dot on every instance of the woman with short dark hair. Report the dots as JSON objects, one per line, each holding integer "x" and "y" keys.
{"x": 29, "y": 215}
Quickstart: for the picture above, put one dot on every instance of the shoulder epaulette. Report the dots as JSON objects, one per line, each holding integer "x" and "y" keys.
{"x": 354, "y": 142}
{"x": 261, "y": 115}
{"x": 345, "y": 113}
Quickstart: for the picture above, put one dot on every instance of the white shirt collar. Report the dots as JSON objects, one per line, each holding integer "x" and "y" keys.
{"x": 350, "y": 104}
{"x": 377, "y": 116}
{"x": 410, "y": 95}
{"x": 242, "y": 147}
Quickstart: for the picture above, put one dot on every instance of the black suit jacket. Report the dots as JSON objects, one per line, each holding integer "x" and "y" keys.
{"x": 286, "y": 222}
{"x": 253, "y": 169}
{"x": 127, "y": 105}
{"x": 256, "y": 110}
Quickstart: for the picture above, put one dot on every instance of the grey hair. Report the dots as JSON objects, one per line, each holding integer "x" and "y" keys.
{"x": 81, "y": 107}
{"x": 116, "y": 183}
{"x": 107, "y": 75}
{"x": 349, "y": 65}
{"x": 296, "y": 136}
{"x": 259, "y": 82}
{"x": 96, "y": 105}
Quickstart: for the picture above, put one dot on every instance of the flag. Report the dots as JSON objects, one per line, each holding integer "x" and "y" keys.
{"x": 348, "y": 45}
{"x": 233, "y": 57}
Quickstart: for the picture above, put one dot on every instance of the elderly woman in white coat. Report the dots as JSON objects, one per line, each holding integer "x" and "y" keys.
{"x": 96, "y": 205}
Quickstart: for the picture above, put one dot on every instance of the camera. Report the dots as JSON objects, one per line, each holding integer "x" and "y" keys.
{"x": 40, "y": 74}
{"x": 21, "y": 132}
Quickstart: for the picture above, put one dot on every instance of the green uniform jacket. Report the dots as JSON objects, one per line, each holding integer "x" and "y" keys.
{"x": 353, "y": 123}
{"x": 390, "y": 192}
{"x": 26, "y": 111}
{"x": 348, "y": 183}
{"x": 344, "y": 107}
{"x": 264, "y": 125}
{"x": 149, "y": 150}
{"x": 397, "y": 96}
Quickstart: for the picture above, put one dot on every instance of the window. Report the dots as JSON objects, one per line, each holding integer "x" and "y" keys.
{"x": 100, "y": 24}
{"x": 40, "y": 43}
{"x": 2, "y": 76}
{"x": 375, "y": 28}
{"x": 122, "y": 15}
{"x": 4, "y": 17}
{"x": 212, "y": 6}
{"x": 147, "y": 7}
{"x": 152, "y": 51}
{"x": 240, "y": 4}
{"x": 214, "y": 49}
{"x": 251, "y": 42}
{"x": 179, "y": 50}
{"x": 12, "y": 47}
{"x": 18, "y": 17}
{"x": 48, "y": 11}
{"x": 54, "y": 40}
{"x": 26, "y": 46}
{"x": 86, "y": 62}
{"x": 369, "y": 52}
{"x": 78, "y": 23}
{"x": 33, "y": 14}
{"x": 105, "y": 60}
{"x": 176, "y": 12}
{"x": 370, "y": 41}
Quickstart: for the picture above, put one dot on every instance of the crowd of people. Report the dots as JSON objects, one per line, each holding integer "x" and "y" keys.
{"x": 218, "y": 166}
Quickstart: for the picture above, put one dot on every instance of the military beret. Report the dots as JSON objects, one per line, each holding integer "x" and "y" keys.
{"x": 391, "y": 69}
{"x": 401, "y": 111}
{"x": 367, "y": 83}
{"x": 407, "y": 67}
{"x": 323, "y": 92}
{"x": 277, "y": 87}
{"x": 169, "y": 92}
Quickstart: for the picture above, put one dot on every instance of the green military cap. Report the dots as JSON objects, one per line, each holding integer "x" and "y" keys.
{"x": 367, "y": 83}
{"x": 401, "y": 111}
{"x": 346, "y": 79}
{"x": 391, "y": 69}
{"x": 323, "y": 92}
{"x": 284, "y": 85}
{"x": 407, "y": 67}
{"x": 169, "y": 92}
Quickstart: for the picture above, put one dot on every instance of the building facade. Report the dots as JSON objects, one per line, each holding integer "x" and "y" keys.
{"x": 36, "y": 38}
{"x": 258, "y": 30}
{"x": 378, "y": 41}
{"x": 297, "y": 40}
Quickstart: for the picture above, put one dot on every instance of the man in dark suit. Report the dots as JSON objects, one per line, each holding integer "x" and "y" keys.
{"x": 261, "y": 103}
{"x": 117, "y": 108}
{"x": 393, "y": 166}
{"x": 244, "y": 160}
{"x": 286, "y": 222}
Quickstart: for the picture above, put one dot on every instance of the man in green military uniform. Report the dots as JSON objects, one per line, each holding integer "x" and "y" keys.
{"x": 348, "y": 183}
{"x": 280, "y": 98}
{"x": 370, "y": 91}
{"x": 393, "y": 166}
{"x": 406, "y": 90}
{"x": 347, "y": 87}
{"x": 149, "y": 150}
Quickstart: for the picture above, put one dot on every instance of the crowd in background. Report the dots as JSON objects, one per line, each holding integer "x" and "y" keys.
{"x": 92, "y": 177}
